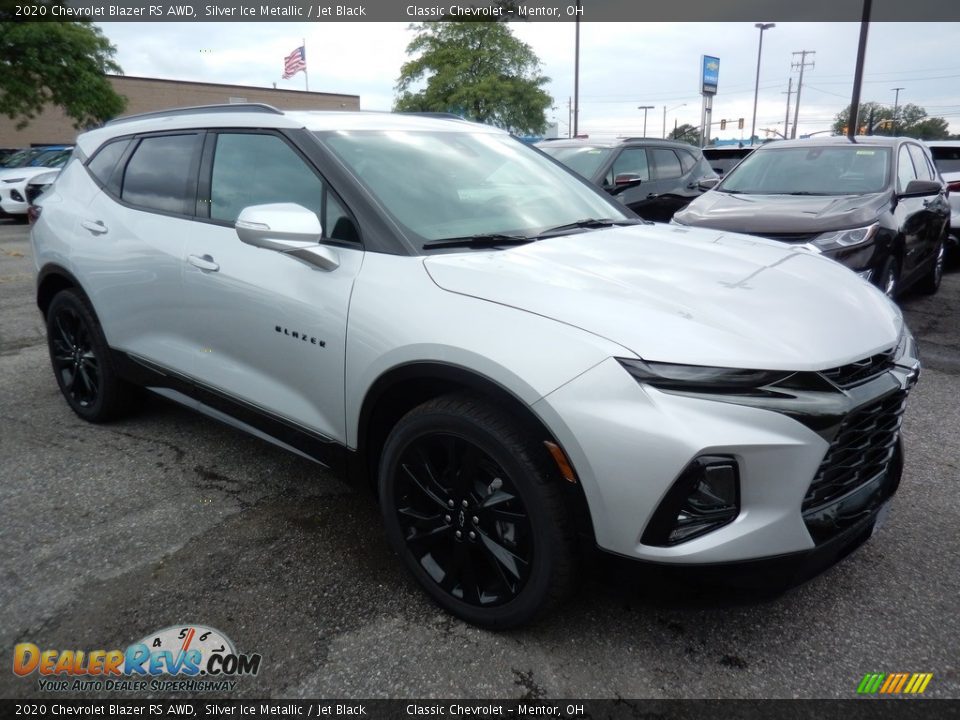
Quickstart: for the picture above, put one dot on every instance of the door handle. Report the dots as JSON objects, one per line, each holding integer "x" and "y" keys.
{"x": 94, "y": 226}
{"x": 204, "y": 262}
{"x": 651, "y": 196}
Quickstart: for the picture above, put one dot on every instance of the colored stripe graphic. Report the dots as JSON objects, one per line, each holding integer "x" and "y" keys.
{"x": 894, "y": 683}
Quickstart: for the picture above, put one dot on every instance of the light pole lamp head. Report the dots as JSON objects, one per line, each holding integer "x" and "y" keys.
{"x": 764, "y": 26}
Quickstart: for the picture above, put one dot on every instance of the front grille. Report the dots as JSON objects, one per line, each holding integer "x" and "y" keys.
{"x": 861, "y": 450}
{"x": 789, "y": 237}
{"x": 857, "y": 373}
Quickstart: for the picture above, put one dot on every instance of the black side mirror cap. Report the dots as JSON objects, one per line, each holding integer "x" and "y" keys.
{"x": 920, "y": 188}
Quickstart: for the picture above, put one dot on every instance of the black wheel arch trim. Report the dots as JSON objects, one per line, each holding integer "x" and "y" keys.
{"x": 441, "y": 378}
{"x": 50, "y": 273}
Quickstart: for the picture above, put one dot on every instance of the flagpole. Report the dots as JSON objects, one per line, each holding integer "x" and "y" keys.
{"x": 306, "y": 78}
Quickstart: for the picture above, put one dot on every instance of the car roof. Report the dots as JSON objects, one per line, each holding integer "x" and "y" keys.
{"x": 265, "y": 116}
{"x": 836, "y": 140}
{"x": 614, "y": 142}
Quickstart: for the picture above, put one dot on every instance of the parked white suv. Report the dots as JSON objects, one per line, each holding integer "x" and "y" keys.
{"x": 520, "y": 366}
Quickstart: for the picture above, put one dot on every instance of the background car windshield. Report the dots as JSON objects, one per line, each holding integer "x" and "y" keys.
{"x": 458, "y": 184}
{"x": 583, "y": 160}
{"x": 811, "y": 171}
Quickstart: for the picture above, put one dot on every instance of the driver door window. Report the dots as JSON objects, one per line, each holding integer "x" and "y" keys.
{"x": 630, "y": 161}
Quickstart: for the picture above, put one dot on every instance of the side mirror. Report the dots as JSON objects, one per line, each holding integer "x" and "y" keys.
{"x": 707, "y": 183}
{"x": 627, "y": 179}
{"x": 920, "y": 188}
{"x": 286, "y": 228}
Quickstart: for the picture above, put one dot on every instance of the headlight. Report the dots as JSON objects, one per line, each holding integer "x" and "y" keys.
{"x": 845, "y": 238}
{"x": 15, "y": 180}
{"x": 699, "y": 378}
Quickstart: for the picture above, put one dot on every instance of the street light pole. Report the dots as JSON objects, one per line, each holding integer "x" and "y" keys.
{"x": 645, "y": 108}
{"x": 896, "y": 105}
{"x": 665, "y": 108}
{"x": 756, "y": 86}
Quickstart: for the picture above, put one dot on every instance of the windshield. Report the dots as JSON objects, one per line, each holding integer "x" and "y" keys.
{"x": 442, "y": 185}
{"x": 811, "y": 171}
{"x": 583, "y": 160}
{"x": 22, "y": 157}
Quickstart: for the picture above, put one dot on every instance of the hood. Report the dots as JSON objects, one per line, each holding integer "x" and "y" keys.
{"x": 782, "y": 214}
{"x": 22, "y": 172}
{"x": 684, "y": 295}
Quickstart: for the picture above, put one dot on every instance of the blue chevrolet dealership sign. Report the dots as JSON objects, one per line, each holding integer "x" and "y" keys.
{"x": 710, "y": 67}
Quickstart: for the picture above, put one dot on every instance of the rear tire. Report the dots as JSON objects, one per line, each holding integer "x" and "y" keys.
{"x": 474, "y": 506}
{"x": 82, "y": 362}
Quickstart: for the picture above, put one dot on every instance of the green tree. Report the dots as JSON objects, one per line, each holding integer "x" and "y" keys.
{"x": 685, "y": 133}
{"x": 911, "y": 121}
{"x": 56, "y": 63}
{"x": 478, "y": 70}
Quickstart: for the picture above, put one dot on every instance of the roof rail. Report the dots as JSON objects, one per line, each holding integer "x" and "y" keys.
{"x": 635, "y": 139}
{"x": 201, "y": 109}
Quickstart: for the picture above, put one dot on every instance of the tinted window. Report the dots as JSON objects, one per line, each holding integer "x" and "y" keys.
{"x": 105, "y": 162}
{"x": 159, "y": 173}
{"x": 920, "y": 163}
{"x": 905, "y": 169}
{"x": 337, "y": 223}
{"x": 631, "y": 161}
{"x": 251, "y": 169}
{"x": 665, "y": 164}
{"x": 946, "y": 158}
{"x": 687, "y": 161}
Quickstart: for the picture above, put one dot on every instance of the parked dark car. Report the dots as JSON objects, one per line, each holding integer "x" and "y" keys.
{"x": 725, "y": 158}
{"x": 875, "y": 204}
{"x": 654, "y": 178}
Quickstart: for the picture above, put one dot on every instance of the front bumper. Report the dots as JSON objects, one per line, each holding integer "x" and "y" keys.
{"x": 12, "y": 199}
{"x": 628, "y": 444}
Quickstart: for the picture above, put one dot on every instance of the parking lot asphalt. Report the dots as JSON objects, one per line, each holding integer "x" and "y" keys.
{"x": 112, "y": 532}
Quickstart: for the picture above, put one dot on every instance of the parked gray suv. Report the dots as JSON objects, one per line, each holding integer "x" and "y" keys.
{"x": 519, "y": 368}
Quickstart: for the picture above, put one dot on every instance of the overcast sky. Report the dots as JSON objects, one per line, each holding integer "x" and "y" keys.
{"x": 622, "y": 66}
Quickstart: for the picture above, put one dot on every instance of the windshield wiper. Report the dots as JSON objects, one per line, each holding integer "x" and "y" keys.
{"x": 483, "y": 240}
{"x": 591, "y": 224}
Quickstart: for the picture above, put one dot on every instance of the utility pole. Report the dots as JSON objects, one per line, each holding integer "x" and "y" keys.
{"x": 569, "y": 117}
{"x": 756, "y": 87}
{"x": 854, "y": 118}
{"x": 645, "y": 108}
{"x": 786, "y": 120}
{"x": 896, "y": 105}
{"x": 802, "y": 64}
{"x": 576, "y": 76}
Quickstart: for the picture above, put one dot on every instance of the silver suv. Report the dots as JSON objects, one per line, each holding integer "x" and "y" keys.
{"x": 521, "y": 367}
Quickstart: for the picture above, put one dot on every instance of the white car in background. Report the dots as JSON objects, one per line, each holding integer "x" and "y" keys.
{"x": 13, "y": 183}
{"x": 946, "y": 156}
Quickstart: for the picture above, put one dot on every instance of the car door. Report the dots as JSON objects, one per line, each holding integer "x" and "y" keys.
{"x": 632, "y": 162}
{"x": 133, "y": 233}
{"x": 937, "y": 206}
{"x": 914, "y": 216}
{"x": 266, "y": 329}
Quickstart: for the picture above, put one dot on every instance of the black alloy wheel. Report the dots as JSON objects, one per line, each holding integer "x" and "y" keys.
{"x": 81, "y": 360}
{"x": 471, "y": 506}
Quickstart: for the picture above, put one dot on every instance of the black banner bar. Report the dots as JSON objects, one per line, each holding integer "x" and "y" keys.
{"x": 568, "y": 709}
{"x": 500, "y": 10}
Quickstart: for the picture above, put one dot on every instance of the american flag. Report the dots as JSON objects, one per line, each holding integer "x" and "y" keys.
{"x": 294, "y": 63}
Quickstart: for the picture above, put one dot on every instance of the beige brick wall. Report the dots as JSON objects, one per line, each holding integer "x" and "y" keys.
{"x": 147, "y": 94}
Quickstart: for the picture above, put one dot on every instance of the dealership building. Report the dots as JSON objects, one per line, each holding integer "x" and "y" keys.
{"x": 53, "y": 126}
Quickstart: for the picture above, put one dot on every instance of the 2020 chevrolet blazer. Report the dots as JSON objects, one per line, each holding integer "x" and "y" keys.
{"x": 519, "y": 365}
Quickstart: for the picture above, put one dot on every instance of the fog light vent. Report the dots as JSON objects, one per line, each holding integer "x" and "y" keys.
{"x": 704, "y": 498}
{"x": 15, "y": 195}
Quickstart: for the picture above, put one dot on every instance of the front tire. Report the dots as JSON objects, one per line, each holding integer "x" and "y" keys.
{"x": 889, "y": 278}
{"x": 931, "y": 281}
{"x": 473, "y": 505}
{"x": 81, "y": 360}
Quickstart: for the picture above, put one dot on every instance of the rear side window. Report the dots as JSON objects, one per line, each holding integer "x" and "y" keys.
{"x": 103, "y": 166}
{"x": 687, "y": 161}
{"x": 665, "y": 164}
{"x": 160, "y": 173}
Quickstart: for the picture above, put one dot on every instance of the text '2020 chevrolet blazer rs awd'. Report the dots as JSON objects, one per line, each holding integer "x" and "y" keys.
{"x": 520, "y": 366}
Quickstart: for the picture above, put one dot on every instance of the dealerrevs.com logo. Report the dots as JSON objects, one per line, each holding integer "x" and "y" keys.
{"x": 187, "y": 658}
